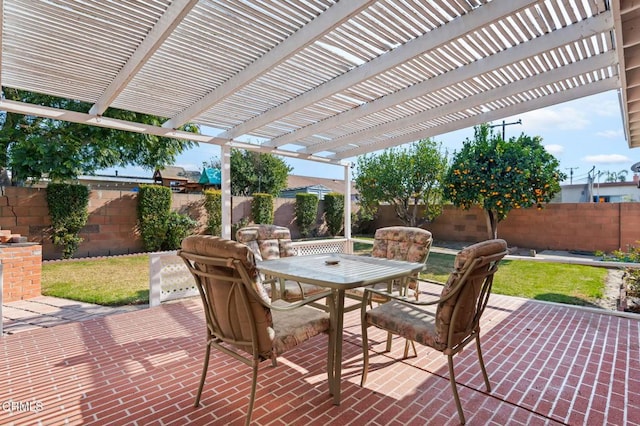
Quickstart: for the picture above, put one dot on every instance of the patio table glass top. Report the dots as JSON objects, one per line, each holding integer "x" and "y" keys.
{"x": 339, "y": 271}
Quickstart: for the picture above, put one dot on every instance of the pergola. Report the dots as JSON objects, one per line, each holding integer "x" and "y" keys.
{"x": 322, "y": 80}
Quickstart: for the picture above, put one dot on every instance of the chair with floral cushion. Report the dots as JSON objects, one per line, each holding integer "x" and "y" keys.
{"x": 448, "y": 323}
{"x": 399, "y": 243}
{"x": 240, "y": 318}
{"x": 269, "y": 242}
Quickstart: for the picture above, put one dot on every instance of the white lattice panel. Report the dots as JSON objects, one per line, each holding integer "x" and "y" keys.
{"x": 169, "y": 278}
{"x": 304, "y": 248}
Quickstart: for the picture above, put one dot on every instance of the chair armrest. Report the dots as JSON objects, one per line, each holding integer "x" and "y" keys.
{"x": 298, "y": 304}
{"x": 368, "y": 291}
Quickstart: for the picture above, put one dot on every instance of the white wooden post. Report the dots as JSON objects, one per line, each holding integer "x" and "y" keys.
{"x": 225, "y": 177}
{"x": 347, "y": 208}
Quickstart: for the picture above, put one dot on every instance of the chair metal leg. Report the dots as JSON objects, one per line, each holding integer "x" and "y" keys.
{"x": 454, "y": 388}
{"x": 365, "y": 353}
{"x": 484, "y": 370}
{"x": 408, "y": 342}
{"x": 252, "y": 397}
{"x": 204, "y": 373}
{"x": 389, "y": 341}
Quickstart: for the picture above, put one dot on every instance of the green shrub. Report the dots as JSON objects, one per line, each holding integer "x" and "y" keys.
{"x": 68, "y": 210}
{"x": 361, "y": 224}
{"x": 240, "y": 224}
{"x": 306, "y": 212}
{"x": 179, "y": 226}
{"x": 632, "y": 255}
{"x": 334, "y": 212}
{"x": 154, "y": 207}
{"x": 262, "y": 208}
{"x": 213, "y": 206}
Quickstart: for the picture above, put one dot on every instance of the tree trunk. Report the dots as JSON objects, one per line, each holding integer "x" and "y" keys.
{"x": 492, "y": 224}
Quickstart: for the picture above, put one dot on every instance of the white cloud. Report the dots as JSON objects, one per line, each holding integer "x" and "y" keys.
{"x": 607, "y": 108}
{"x": 602, "y": 104}
{"x": 607, "y": 159}
{"x": 554, "y": 149}
{"x": 611, "y": 134}
{"x": 561, "y": 118}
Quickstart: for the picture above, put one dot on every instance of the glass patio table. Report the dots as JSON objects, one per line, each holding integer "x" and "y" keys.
{"x": 338, "y": 272}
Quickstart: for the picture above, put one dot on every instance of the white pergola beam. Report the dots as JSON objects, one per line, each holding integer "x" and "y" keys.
{"x": 132, "y": 126}
{"x": 540, "y": 80}
{"x": 517, "y": 53}
{"x": 327, "y": 21}
{"x": 452, "y": 30}
{"x": 174, "y": 14}
{"x": 541, "y": 102}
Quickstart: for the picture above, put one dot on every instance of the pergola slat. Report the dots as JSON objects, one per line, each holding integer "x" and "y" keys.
{"x": 313, "y": 76}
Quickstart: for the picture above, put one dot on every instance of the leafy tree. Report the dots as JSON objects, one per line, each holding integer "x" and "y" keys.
{"x": 620, "y": 176}
{"x": 406, "y": 178}
{"x": 502, "y": 175}
{"x": 33, "y": 146}
{"x": 253, "y": 172}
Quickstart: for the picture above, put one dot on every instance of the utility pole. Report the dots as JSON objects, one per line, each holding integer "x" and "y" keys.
{"x": 504, "y": 124}
{"x": 590, "y": 182}
{"x": 571, "y": 169}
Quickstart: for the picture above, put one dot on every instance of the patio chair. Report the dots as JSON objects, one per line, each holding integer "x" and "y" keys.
{"x": 241, "y": 320}
{"x": 269, "y": 242}
{"x": 448, "y": 323}
{"x": 399, "y": 243}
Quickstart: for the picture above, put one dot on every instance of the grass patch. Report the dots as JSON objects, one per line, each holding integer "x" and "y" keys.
{"x": 125, "y": 280}
{"x": 551, "y": 282}
{"x": 113, "y": 281}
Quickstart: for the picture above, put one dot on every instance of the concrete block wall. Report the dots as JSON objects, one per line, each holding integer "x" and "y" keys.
{"x": 558, "y": 226}
{"x": 111, "y": 228}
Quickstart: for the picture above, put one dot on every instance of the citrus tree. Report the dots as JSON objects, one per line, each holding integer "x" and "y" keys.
{"x": 501, "y": 175}
{"x": 406, "y": 178}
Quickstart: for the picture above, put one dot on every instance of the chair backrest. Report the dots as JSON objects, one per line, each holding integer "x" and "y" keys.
{"x": 402, "y": 243}
{"x": 466, "y": 293}
{"x": 267, "y": 241}
{"x": 234, "y": 299}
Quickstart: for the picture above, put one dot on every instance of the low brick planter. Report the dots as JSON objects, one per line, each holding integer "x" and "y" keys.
{"x": 21, "y": 271}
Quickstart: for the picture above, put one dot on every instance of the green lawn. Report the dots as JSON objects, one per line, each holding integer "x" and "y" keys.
{"x": 553, "y": 282}
{"x": 112, "y": 281}
{"x": 125, "y": 280}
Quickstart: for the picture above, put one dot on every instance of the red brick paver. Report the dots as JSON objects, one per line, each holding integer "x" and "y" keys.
{"x": 548, "y": 364}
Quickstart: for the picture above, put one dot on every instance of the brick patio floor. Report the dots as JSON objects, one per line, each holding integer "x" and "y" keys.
{"x": 548, "y": 364}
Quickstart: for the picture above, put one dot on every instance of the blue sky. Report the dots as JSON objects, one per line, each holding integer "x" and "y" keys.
{"x": 582, "y": 134}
